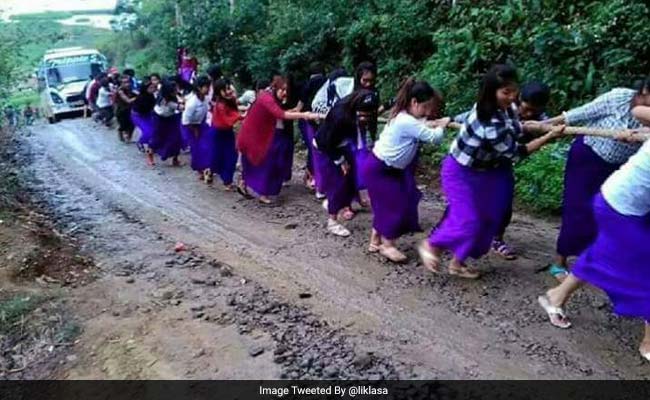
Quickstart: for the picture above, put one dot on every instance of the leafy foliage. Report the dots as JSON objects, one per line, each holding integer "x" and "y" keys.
{"x": 579, "y": 47}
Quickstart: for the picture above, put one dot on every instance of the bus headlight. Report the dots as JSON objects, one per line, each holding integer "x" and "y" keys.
{"x": 56, "y": 98}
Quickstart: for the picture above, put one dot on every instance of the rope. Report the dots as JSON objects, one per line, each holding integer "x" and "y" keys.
{"x": 542, "y": 128}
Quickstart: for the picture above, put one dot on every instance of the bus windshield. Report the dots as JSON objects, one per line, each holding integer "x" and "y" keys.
{"x": 62, "y": 74}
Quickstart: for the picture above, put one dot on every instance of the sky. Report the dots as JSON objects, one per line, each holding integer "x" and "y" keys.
{"x": 11, "y": 7}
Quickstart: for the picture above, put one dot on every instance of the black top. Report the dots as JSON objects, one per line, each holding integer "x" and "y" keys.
{"x": 336, "y": 130}
{"x": 145, "y": 103}
{"x": 121, "y": 105}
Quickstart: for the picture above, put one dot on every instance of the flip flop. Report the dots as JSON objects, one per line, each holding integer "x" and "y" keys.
{"x": 556, "y": 315}
{"x": 465, "y": 272}
{"x": 557, "y": 270}
{"x": 502, "y": 249}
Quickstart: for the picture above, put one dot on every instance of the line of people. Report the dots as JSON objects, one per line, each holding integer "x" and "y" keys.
{"x": 606, "y": 206}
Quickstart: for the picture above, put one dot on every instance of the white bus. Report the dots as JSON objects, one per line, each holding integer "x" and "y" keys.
{"x": 62, "y": 76}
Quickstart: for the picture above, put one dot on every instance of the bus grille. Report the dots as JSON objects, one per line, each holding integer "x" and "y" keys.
{"x": 76, "y": 99}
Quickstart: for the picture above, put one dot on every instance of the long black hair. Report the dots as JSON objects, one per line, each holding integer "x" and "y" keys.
{"x": 411, "y": 89}
{"x": 364, "y": 100}
{"x": 168, "y": 91}
{"x": 643, "y": 86}
{"x": 223, "y": 84}
{"x": 201, "y": 81}
{"x": 498, "y": 77}
{"x": 364, "y": 67}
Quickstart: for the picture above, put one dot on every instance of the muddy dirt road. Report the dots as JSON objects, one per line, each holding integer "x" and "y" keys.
{"x": 264, "y": 292}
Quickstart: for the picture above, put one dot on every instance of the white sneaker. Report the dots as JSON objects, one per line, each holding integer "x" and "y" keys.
{"x": 337, "y": 229}
{"x": 325, "y": 204}
{"x": 320, "y": 196}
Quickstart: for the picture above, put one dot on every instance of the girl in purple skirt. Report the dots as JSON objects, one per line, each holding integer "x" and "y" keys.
{"x": 617, "y": 261}
{"x": 166, "y": 140}
{"x": 200, "y": 138}
{"x": 225, "y": 115}
{"x": 261, "y": 143}
{"x": 142, "y": 113}
{"x": 389, "y": 170}
{"x": 591, "y": 160}
{"x": 333, "y": 155}
{"x": 476, "y": 175}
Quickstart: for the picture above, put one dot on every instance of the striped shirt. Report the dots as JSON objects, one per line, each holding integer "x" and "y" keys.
{"x": 485, "y": 146}
{"x": 609, "y": 111}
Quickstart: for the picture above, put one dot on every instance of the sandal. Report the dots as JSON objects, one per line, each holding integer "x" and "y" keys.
{"x": 465, "y": 272}
{"x": 392, "y": 254}
{"x": 430, "y": 261}
{"x": 244, "y": 192}
{"x": 264, "y": 200}
{"x": 176, "y": 162}
{"x": 207, "y": 177}
{"x": 337, "y": 229}
{"x": 558, "y": 272}
{"x": 501, "y": 248}
{"x": 555, "y": 314}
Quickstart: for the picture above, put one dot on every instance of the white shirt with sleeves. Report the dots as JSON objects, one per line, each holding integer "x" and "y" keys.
{"x": 398, "y": 143}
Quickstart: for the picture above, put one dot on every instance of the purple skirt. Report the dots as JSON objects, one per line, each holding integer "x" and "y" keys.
{"x": 186, "y": 74}
{"x": 266, "y": 179}
{"x": 361, "y": 153}
{"x": 339, "y": 189}
{"x": 145, "y": 124}
{"x": 186, "y": 138}
{"x": 287, "y": 147}
{"x": 617, "y": 261}
{"x": 319, "y": 163}
{"x": 394, "y": 195}
{"x": 584, "y": 175}
{"x": 225, "y": 160}
{"x": 307, "y": 131}
{"x": 477, "y": 202}
{"x": 202, "y": 147}
{"x": 166, "y": 139}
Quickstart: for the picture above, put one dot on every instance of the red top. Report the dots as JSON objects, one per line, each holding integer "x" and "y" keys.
{"x": 224, "y": 117}
{"x": 256, "y": 134}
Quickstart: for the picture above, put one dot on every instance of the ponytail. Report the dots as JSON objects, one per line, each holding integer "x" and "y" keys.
{"x": 411, "y": 89}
